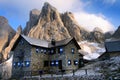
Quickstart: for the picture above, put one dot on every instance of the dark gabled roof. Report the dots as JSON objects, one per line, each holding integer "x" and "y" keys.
{"x": 47, "y": 44}
{"x": 36, "y": 42}
{"x": 113, "y": 46}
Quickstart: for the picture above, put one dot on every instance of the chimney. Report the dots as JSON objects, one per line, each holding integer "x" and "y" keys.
{"x": 53, "y": 42}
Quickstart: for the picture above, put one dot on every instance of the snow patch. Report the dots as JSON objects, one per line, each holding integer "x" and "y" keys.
{"x": 91, "y": 50}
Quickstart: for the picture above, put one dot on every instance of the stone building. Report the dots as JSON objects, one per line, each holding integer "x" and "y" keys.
{"x": 112, "y": 49}
{"x": 31, "y": 54}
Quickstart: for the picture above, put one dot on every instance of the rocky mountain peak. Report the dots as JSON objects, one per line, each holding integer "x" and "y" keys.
{"x": 97, "y": 35}
{"x": 97, "y": 29}
{"x": 3, "y": 20}
{"x": 74, "y": 29}
{"x": 49, "y": 13}
{"x": 49, "y": 25}
{"x": 33, "y": 20}
{"x": 34, "y": 12}
{"x": 48, "y": 6}
{"x": 19, "y": 29}
{"x": 6, "y": 33}
{"x": 117, "y": 33}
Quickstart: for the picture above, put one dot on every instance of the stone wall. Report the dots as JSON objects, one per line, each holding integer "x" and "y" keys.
{"x": 22, "y": 53}
{"x": 65, "y": 56}
{"x": 38, "y": 58}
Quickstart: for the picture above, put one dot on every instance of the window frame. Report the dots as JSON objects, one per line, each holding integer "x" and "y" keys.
{"x": 37, "y": 50}
{"x": 72, "y": 50}
{"x": 25, "y": 63}
{"x": 76, "y": 63}
{"x": 52, "y": 62}
{"x": 59, "y": 50}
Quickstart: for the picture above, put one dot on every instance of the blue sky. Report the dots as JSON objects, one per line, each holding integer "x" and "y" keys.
{"x": 88, "y": 13}
{"x": 110, "y": 9}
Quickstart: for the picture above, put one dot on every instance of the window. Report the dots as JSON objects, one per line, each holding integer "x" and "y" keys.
{"x": 52, "y": 63}
{"x": 73, "y": 50}
{"x": 69, "y": 62}
{"x": 15, "y": 64}
{"x": 27, "y": 63}
{"x": 37, "y": 50}
{"x": 60, "y": 50}
{"x": 46, "y": 63}
{"x": 76, "y": 62}
{"x": 48, "y": 51}
{"x": 45, "y": 51}
{"x": 19, "y": 64}
{"x": 56, "y": 63}
{"x": 41, "y": 50}
{"x": 52, "y": 51}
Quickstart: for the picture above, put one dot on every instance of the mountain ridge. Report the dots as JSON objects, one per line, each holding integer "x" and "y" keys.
{"x": 52, "y": 24}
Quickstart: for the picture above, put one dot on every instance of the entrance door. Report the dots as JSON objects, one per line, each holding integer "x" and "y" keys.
{"x": 81, "y": 63}
{"x": 60, "y": 64}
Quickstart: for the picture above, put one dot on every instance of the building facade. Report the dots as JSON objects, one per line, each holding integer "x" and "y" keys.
{"x": 112, "y": 50}
{"x": 31, "y": 54}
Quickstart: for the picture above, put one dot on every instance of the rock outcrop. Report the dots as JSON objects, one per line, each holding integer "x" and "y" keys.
{"x": 49, "y": 25}
{"x": 97, "y": 35}
{"x": 34, "y": 17}
{"x": 7, "y": 50}
{"x": 116, "y": 34}
{"x": 74, "y": 29}
{"x": 6, "y": 33}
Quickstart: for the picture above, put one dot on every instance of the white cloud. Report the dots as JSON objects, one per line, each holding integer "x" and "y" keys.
{"x": 90, "y": 21}
{"x": 109, "y": 1}
{"x": 19, "y": 9}
{"x": 61, "y": 5}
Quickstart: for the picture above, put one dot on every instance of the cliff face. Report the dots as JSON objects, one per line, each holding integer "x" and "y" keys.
{"x": 74, "y": 29}
{"x": 49, "y": 25}
{"x": 34, "y": 17}
{"x": 6, "y": 33}
{"x": 97, "y": 35}
{"x": 116, "y": 34}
